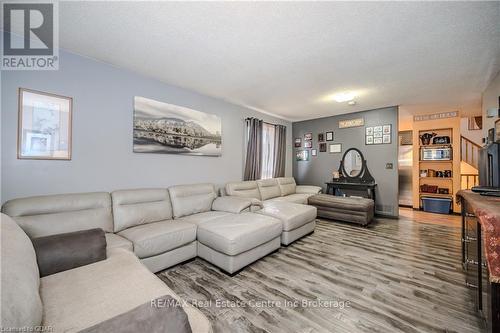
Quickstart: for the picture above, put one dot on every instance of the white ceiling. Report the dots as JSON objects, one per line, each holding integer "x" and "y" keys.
{"x": 285, "y": 57}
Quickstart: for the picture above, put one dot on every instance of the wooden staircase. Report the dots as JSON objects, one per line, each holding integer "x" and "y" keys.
{"x": 469, "y": 153}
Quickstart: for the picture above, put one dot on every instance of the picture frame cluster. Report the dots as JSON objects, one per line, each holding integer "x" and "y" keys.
{"x": 378, "y": 135}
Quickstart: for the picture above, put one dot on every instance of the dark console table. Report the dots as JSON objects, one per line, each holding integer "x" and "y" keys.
{"x": 333, "y": 186}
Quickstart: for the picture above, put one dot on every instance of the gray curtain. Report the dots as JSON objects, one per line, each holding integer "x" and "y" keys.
{"x": 279, "y": 151}
{"x": 254, "y": 150}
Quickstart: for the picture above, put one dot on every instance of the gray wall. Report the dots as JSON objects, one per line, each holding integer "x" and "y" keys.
{"x": 102, "y": 133}
{"x": 319, "y": 169}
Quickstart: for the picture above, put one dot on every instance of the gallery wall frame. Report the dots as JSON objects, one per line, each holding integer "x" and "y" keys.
{"x": 302, "y": 155}
{"x": 380, "y": 134}
{"x": 322, "y": 147}
{"x": 297, "y": 142}
{"x": 44, "y": 129}
{"x": 335, "y": 148}
{"x": 329, "y": 136}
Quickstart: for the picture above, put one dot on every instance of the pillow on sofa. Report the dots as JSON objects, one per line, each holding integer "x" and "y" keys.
{"x": 164, "y": 314}
{"x": 61, "y": 252}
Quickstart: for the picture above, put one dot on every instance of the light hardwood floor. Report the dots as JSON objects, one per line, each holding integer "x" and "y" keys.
{"x": 396, "y": 276}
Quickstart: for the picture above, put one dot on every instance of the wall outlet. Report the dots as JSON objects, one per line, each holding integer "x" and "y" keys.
{"x": 389, "y": 166}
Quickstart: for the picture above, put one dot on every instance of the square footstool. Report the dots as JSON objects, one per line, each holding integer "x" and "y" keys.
{"x": 234, "y": 241}
{"x": 297, "y": 220}
{"x": 348, "y": 209}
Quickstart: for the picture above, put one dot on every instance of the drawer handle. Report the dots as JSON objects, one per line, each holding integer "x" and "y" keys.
{"x": 469, "y": 239}
{"x": 474, "y": 262}
{"x": 470, "y": 215}
{"x": 470, "y": 285}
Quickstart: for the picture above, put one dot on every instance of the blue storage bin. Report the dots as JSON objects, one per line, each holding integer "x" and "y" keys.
{"x": 436, "y": 205}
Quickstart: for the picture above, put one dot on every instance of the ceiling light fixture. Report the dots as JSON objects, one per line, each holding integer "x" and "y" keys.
{"x": 351, "y": 103}
{"x": 344, "y": 96}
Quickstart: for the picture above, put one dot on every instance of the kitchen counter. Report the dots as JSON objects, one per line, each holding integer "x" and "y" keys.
{"x": 487, "y": 211}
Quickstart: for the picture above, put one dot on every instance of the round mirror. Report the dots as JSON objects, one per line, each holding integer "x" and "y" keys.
{"x": 352, "y": 163}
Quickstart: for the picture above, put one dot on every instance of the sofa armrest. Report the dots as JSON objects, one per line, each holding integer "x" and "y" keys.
{"x": 307, "y": 189}
{"x": 231, "y": 204}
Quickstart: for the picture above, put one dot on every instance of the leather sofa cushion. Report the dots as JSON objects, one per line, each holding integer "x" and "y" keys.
{"x": 135, "y": 207}
{"x": 21, "y": 305}
{"x": 233, "y": 205}
{"x": 287, "y": 185}
{"x": 201, "y": 218}
{"x": 294, "y": 198}
{"x": 114, "y": 241}
{"x": 162, "y": 314}
{"x": 57, "y": 253}
{"x": 246, "y": 189}
{"x": 192, "y": 199}
{"x": 56, "y": 214}
{"x": 237, "y": 233}
{"x": 292, "y": 215}
{"x": 269, "y": 188}
{"x": 158, "y": 237}
{"x": 110, "y": 288}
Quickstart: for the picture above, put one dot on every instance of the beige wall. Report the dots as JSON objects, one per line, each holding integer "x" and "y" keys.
{"x": 490, "y": 100}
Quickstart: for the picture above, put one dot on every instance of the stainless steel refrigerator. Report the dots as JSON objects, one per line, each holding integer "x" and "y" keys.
{"x": 405, "y": 166}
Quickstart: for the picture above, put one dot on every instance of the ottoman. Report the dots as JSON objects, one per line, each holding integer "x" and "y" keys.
{"x": 348, "y": 209}
{"x": 234, "y": 241}
{"x": 298, "y": 220}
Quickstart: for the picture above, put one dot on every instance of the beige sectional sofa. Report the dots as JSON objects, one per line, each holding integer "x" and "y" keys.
{"x": 156, "y": 227}
{"x": 78, "y": 299}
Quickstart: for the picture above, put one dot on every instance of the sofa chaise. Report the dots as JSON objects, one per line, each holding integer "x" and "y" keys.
{"x": 282, "y": 199}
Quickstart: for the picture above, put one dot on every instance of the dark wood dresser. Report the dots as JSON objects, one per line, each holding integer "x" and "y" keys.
{"x": 481, "y": 254}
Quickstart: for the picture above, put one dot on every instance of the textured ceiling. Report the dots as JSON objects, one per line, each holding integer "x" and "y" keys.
{"x": 286, "y": 58}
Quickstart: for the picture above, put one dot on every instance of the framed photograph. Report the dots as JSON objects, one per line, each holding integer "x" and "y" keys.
{"x": 308, "y": 136}
{"x": 314, "y": 152}
{"x": 386, "y": 129}
{"x": 377, "y": 141}
{"x": 321, "y": 137}
{"x": 369, "y": 131}
{"x": 162, "y": 128}
{"x": 335, "y": 148}
{"x": 44, "y": 126}
{"x": 377, "y": 134}
{"x": 329, "y": 136}
{"x": 322, "y": 147}
{"x": 308, "y": 144}
{"x": 497, "y": 130}
{"x": 298, "y": 142}
{"x": 302, "y": 155}
{"x": 377, "y": 129}
{"x": 369, "y": 140}
{"x": 386, "y": 138}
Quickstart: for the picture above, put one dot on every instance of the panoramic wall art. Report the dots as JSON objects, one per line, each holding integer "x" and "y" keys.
{"x": 164, "y": 128}
{"x": 171, "y": 129}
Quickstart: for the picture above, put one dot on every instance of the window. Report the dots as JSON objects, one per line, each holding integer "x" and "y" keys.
{"x": 267, "y": 162}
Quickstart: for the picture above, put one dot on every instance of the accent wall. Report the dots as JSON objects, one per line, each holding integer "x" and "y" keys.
{"x": 318, "y": 169}
{"x": 102, "y": 157}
